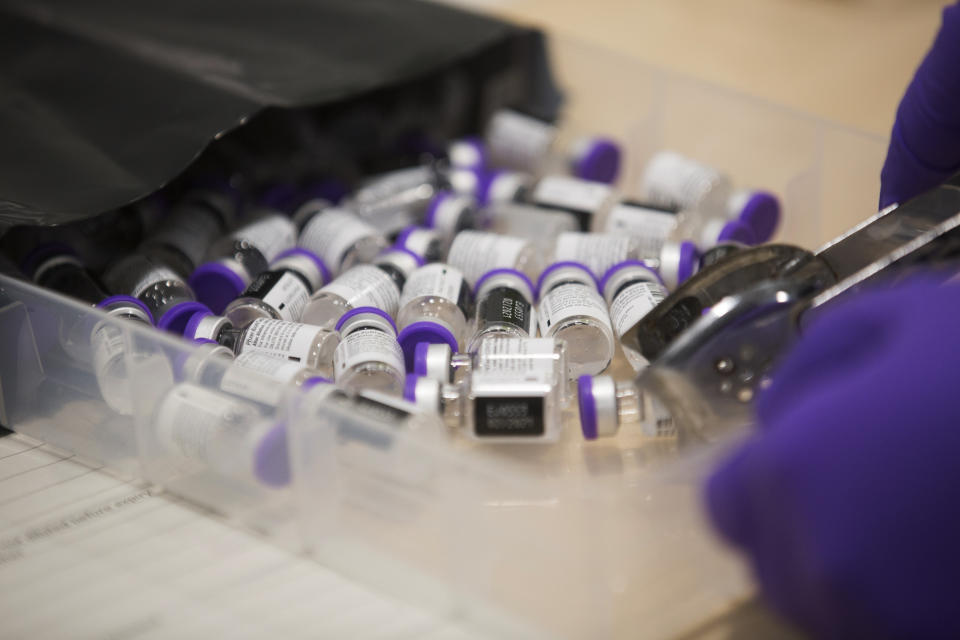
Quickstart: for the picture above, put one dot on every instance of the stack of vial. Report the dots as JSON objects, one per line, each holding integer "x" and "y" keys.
{"x": 484, "y": 286}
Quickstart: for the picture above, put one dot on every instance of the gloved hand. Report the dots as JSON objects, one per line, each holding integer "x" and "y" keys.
{"x": 925, "y": 141}
{"x": 847, "y": 500}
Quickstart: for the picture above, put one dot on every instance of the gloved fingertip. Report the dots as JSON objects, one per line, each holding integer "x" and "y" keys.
{"x": 727, "y": 497}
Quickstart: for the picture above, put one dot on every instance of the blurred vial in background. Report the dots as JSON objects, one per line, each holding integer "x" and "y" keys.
{"x": 397, "y": 199}
{"x": 539, "y": 226}
{"x": 368, "y": 356}
{"x": 571, "y": 310}
{"x": 450, "y": 213}
{"x": 421, "y": 241}
{"x": 505, "y": 307}
{"x": 377, "y": 285}
{"x": 282, "y": 292}
{"x": 234, "y": 261}
{"x": 631, "y": 290}
{"x": 339, "y": 237}
{"x": 585, "y": 199}
{"x": 435, "y": 307}
{"x": 476, "y": 252}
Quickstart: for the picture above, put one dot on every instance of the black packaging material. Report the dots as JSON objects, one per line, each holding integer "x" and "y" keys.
{"x": 103, "y": 102}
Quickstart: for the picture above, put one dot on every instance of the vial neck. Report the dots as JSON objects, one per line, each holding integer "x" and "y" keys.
{"x": 629, "y": 403}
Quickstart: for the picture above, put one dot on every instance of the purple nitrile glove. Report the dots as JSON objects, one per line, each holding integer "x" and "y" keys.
{"x": 847, "y": 500}
{"x": 925, "y": 141}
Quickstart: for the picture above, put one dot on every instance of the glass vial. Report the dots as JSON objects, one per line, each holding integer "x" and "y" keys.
{"x": 368, "y": 356}
{"x": 282, "y": 292}
{"x": 475, "y": 253}
{"x": 606, "y": 406}
{"x": 339, "y": 237}
{"x": 236, "y": 260}
{"x": 434, "y": 308}
{"x": 631, "y": 290}
{"x": 598, "y": 251}
{"x": 539, "y": 226}
{"x": 168, "y": 297}
{"x": 514, "y": 391}
{"x": 109, "y": 345}
{"x": 450, "y": 213}
{"x": 583, "y": 198}
{"x": 676, "y": 181}
{"x": 759, "y": 210}
{"x": 421, "y": 241}
{"x": 505, "y": 307}
{"x": 572, "y": 310}
{"x": 220, "y": 431}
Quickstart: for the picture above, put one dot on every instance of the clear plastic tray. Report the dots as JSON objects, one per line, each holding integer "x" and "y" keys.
{"x": 575, "y": 539}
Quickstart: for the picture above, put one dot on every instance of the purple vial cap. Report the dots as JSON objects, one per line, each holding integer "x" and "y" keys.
{"x": 176, "y": 318}
{"x": 190, "y": 328}
{"x": 418, "y": 259}
{"x": 216, "y": 285}
{"x": 762, "y": 214}
{"x": 106, "y": 302}
{"x": 560, "y": 265}
{"x": 735, "y": 231}
{"x": 430, "y": 219}
{"x": 588, "y": 407}
{"x": 420, "y": 358}
{"x": 514, "y": 272}
{"x": 600, "y": 162}
{"x": 410, "y": 387}
{"x": 689, "y": 259}
{"x": 317, "y": 260}
{"x": 622, "y": 265}
{"x": 271, "y": 458}
{"x": 357, "y": 311}
{"x": 423, "y": 333}
{"x": 310, "y": 383}
{"x": 484, "y": 182}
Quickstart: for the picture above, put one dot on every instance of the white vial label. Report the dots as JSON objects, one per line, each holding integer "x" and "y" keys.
{"x": 191, "y": 417}
{"x": 519, "y": 141}
{"x": 650, "y": 228}
{"x": 367, "y": 345}
{"x": 271, "y": 235}
{"x": 674, "y": 180}
{"x": 508, "y": 359}
{"x": 366, "y": 286}
{"x": 568, "y": 301}
{"x": 438, "y": 280}
{"x": 288, "y": 296}
{"x": 419, "y": 240}
{"x": 448, "y": 213}
{"x": 280, "y": 339}
{"x": 332, "y": 233}
{"x": 633, "y": 303}
{"x": 476, "y": 252}
{"x": 571, "y": 193}
{"x": 244, "y": 377}
{"x": 151, "y": 277}
{"x": 599, "y": 251}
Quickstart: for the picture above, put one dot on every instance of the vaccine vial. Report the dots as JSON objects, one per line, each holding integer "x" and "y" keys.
{"x": 492, "y": 186}
{"x": 656, "y": 234}
{"x": 168, "y": 297}
{"x": 183, "y": 237}
{"x": 673, "y": 180}
{"x": 252, "y": 376}
{"x": 505, "y": 307}
{"x": 467, "y": 153}
{"x": 304, "y": 344}
{"x": 448, "y": 214}
{"x": 421, "y": 241}
{"x": 584, "y": 199}
{"x": 339, "y": 237}
{"x": 282, "y": 292}
{"x": 108, "y": 341}
{"x": 631, "y": 289}
{"x": 475, "y": 253}
{"x": 606, "y": 406}
{"x": 572, "y": 310}
{"x": 224, "y": 433}
{"x": 368, "y": 356}
{"x": 514, "y": 392}
{"x": 397, "y": 199}
{"x": 759, "y": 210}
{"x": 720, "y": 230}
{"x": 434, "y": 308}
{"x": 540, "y": 227}
{"x": 598, "y": 251}
{"x": 237, "y": 259}
{"x": 522, "y": 142}
{"x": 377, "y": 285}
